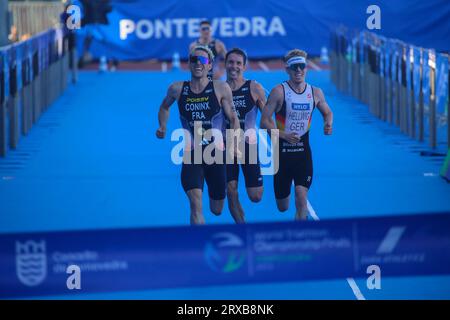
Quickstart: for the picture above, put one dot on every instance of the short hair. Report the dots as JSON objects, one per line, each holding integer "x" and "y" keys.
{"x": 205, "y": 49}
{"x": 205, "y": 22}
{"x": 295, "y": 53}
{"x": 239, "y": 52}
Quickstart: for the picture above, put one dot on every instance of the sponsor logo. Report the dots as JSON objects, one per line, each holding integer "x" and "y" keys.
{"x": 300, "y": 106}
{"x": 31, "y": 262}
{"x": 224, "y": 253}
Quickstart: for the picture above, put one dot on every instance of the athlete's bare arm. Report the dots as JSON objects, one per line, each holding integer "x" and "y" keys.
{"x": 225, "y": 97}
{"x": 163, "y": 115}
{"x": 325, "y": 110}
{"x": 274, "y": 104}
{"x": 221, "y": 50}
{"x": 258, "y": 94}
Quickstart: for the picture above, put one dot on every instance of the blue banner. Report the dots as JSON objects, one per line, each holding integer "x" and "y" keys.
{"x": 394, "y": 55}
{"x": 387, "y": 59}
{"x": 426, "y": 94}
{"x": 417, "y": 65}
{"x": 35, "y": 45}
{"x": 138, "y": 259}
{"x": 417, "y": 81}
{"x": 29, "y": 56}
{"x": 144, "y": 29}
{"x": 6, "y": 58}
{"x": 381, "y": 52}
{"x": 408, "y": 68}
{"x": 18, "y": 48}
{"x": 442, "y": 100}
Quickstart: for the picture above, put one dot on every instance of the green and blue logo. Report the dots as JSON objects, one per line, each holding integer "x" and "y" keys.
{"x": 225, "y": 252}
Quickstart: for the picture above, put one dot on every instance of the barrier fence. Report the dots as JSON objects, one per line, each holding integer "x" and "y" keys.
{"x": 33, "y": 74}
{"x": 402, "y": 84}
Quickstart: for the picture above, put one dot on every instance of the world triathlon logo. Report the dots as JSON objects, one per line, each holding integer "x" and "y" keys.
{"x": 225, "y": 252}
{"x": 31, "y": 262}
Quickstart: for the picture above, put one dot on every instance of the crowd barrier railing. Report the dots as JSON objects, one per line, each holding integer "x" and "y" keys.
{"x": 33, "y": 74}
{"x": 402, "y": 84}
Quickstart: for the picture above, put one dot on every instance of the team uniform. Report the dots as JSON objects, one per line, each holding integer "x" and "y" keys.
{"x": 212, "y": 47}
{"x": 246, "y": 110}
{"x": 202, "y": 107}
{"x": 295, "y": 159}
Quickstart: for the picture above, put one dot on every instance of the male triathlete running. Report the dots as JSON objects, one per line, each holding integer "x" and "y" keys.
{"x": 202, "y": 104}
{"x": 293, "y": 103}
{"x": 248, "y": 97}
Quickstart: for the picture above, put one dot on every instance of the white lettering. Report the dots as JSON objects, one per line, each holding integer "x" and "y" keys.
{"x": 179, "y": 25}
{"x": 276, "y": 26}
{"x": 163, "y": 28}
{"x": 242, "y": 27}
{"x": 226, "y": 27}
{"x": 126, "y": 27}
{"x": 144, "y": 29}
{"x": 193, "y": 28}
{"x": 259, "y": 25}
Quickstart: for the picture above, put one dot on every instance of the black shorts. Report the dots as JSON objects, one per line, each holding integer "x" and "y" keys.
{"x": 250, "y": 169}
{"x": 295, "y": 166}
{"x": 193, "y": 176}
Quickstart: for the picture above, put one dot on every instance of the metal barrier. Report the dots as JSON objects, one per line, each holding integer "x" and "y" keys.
{"x": 33, "y": 74}
{"x": 402, "y": 84}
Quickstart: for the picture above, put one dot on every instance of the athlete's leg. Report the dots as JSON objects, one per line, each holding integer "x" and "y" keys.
{"x": 255, "y": 193}
{"x": 252, "y": 173}
{"x": 216, "y": 206}
{"x": 282, "y": 182}
{"x": 233, "y": 202}
{"x": 215, "y": 176}
{"x": 192, "y": 179}
{"x": 303, "y": 177}
{"x": 301, "y": 203}
{"x": 283, "y": 204}
{"x": 195, "y": 204}
{"x": 253, "y": 181}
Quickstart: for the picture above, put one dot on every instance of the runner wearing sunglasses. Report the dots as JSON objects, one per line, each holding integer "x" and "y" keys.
{"x": 216, "y": 46}
{"x": 203, "y": 104}
{"x": 293, "y": 103}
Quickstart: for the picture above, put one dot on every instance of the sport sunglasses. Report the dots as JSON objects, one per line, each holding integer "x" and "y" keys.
{"x": 195, "y": 59}
{"x": 295, "y": 66}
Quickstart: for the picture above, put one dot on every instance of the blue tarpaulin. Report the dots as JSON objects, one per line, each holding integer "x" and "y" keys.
{"x": 143, "y": 29}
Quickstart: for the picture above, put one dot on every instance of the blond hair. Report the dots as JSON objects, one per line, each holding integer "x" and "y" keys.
{"x": 295, "y": 53}
{"x": 205, "y": 49}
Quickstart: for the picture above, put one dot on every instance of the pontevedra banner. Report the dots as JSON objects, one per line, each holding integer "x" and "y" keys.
{"x": 144, "y": 29}
{"x": 137, "y": 259}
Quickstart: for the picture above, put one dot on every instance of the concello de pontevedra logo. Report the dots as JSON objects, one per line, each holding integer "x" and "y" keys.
{"x": 224, "y": 253}
{"x": 31, "y": 262}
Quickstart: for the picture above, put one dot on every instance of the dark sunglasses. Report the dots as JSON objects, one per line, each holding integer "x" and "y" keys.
{"x": 205, "y": 29}
{"x": 295, "y": 66}
{"x": 195, "y": 59}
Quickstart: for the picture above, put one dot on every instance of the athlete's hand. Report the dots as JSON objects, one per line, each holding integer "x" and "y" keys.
{"x": 327, "y": 129}
{"x": 161, "y": 133}
{"x": 290, "y": 137}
